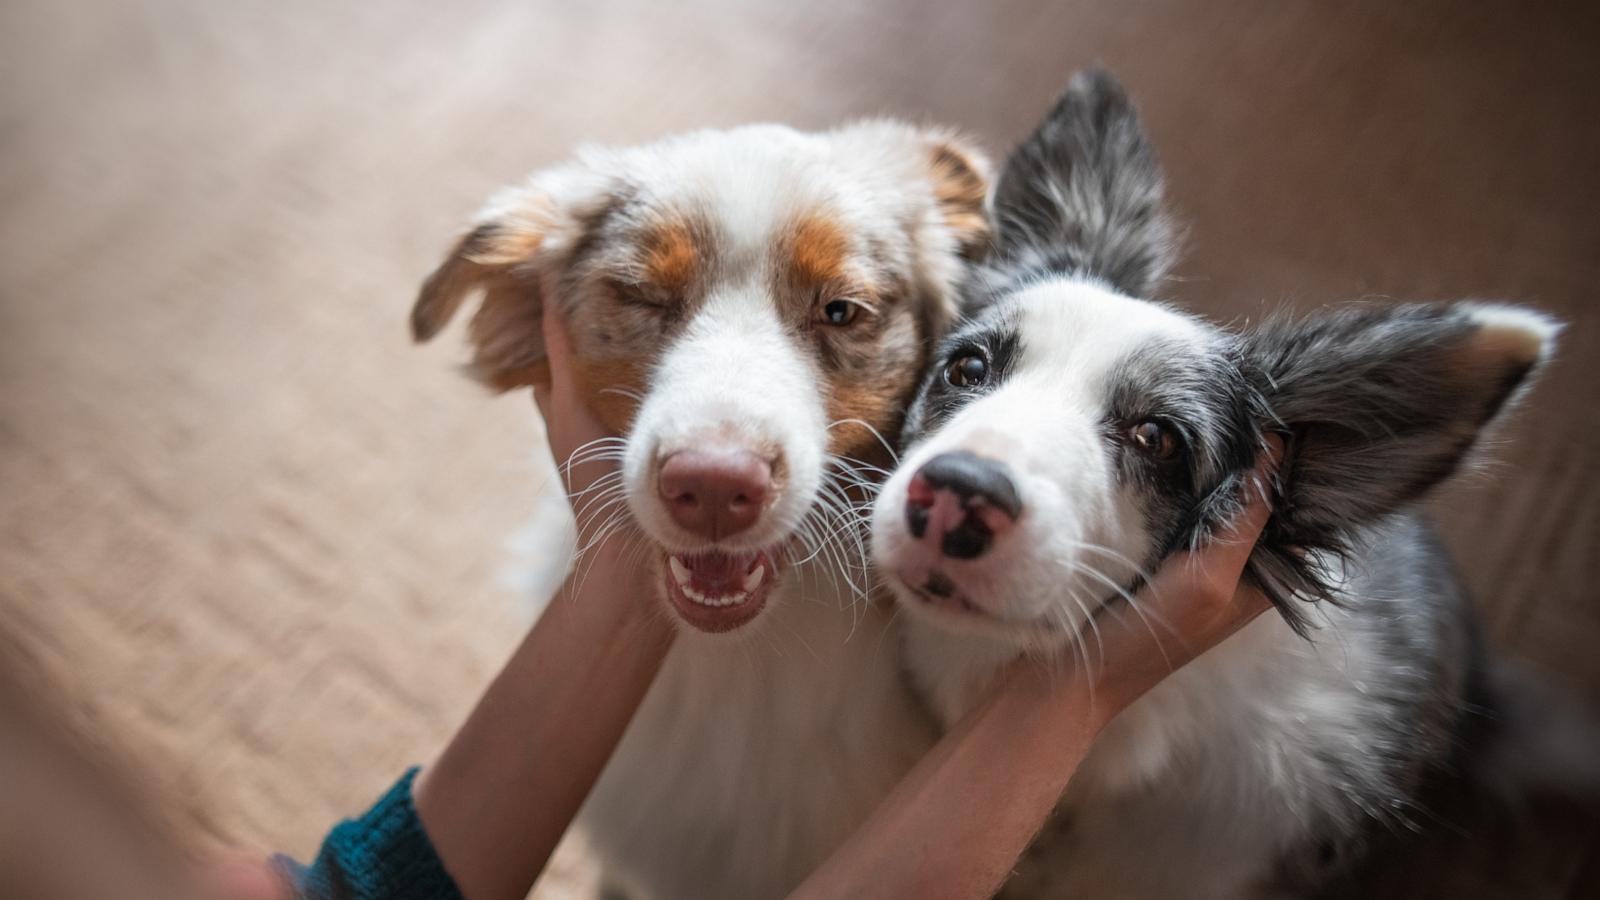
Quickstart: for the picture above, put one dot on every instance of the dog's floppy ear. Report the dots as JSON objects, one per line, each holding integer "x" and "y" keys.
{"x": 513, "y": 255}
{"x": 499, "y": 257}
{"x": 1083, "y": 194}
{"x": 1381, "y": 403}
{"x": 961, "y": 185}
{"x": 935, "y": 164}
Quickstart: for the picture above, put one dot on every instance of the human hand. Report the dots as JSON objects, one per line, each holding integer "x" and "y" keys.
{"x": 507, "y": 786}
{"x": 579, "y": 443}
{"x": 552, "y": 718}
{"x": 586, "y": 454}
{"x": 1195, "y": 601}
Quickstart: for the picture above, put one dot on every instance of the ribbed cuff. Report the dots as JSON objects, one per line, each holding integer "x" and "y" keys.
{"x": 384, "y": 855}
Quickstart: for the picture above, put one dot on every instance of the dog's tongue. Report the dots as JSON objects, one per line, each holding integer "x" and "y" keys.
{"x": 717, "y": 573}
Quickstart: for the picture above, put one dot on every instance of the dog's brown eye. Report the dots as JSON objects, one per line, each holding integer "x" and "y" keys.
{"x": 839, "y": 312}
{"x": 1154, "y": 439}
{"x": 966, "y": 371}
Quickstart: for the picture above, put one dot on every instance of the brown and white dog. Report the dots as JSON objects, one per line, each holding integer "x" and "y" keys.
{"x": 750, "y": 311}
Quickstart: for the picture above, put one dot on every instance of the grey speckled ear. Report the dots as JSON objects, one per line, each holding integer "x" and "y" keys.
{"x": 1380, "y": 404}
{"x": 1083, "y": 195}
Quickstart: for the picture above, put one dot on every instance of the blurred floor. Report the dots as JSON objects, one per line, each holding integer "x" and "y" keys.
{"x": 259, "y": 532}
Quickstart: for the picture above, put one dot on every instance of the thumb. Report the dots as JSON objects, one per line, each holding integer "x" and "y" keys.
{"x": 557, "y": 346}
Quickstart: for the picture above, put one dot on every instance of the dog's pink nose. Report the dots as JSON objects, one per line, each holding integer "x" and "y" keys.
{"x": 715, "y": 492}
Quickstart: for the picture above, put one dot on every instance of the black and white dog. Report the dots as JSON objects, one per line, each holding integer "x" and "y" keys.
{"x": 1075, "y": 434}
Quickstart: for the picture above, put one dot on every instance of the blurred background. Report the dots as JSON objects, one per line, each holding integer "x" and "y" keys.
{"x": 254, "y": 537}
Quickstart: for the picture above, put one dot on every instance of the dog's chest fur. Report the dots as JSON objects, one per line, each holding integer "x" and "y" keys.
{"x": 750, "y": 761}
{"x": 1255, "y": 768}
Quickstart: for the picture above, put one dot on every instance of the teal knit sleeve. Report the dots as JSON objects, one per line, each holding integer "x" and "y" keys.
{"x": 383, "y": 855}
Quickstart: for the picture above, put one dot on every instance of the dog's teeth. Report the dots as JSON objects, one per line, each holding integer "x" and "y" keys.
{"x": 680, "y": 572}
{"x": 725, "y": 600}
{"x": 753, "y": 580}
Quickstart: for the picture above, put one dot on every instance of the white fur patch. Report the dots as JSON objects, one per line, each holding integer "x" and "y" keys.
{"x": 734, "y": 375}
{"x": 1515, "y": 332}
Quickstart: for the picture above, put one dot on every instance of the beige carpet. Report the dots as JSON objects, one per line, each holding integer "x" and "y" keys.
{"x": 258, "y": 534}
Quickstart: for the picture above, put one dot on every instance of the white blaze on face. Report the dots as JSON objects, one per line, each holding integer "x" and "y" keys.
{"x": 736, "y": 377}
{"x": 1047, "y": 421}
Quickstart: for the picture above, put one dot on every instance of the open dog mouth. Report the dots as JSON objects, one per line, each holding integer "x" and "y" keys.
{"x": 716, "y": 590}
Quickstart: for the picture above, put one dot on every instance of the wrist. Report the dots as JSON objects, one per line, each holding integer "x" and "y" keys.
{"x": 1116, "y": 686}
{"x": 1063, "y": 707}
{"x": 1095, "y": 699}
{"x": 1081, "y": 699}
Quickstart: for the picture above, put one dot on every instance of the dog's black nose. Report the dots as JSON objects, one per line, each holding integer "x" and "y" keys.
{"x": 964, "y": 500}
{"x": 971, "y": 476}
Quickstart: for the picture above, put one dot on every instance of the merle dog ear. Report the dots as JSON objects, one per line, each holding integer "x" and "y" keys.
{"x": 1083, "y": 194}
{"x": 520, "y": 238}
{"x": 1379, "y": 404}
{"x": 498, "y": 257}
{"x": 960, "y": 176}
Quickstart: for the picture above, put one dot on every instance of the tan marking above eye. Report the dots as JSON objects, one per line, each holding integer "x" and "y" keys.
{"x": 822, "y": 269}
{"x": 672, "y": 258}
{"x": 818, "y": 250}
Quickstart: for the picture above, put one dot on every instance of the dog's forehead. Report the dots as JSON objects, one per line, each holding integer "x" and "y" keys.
{"x": 747, "y": 184}
{"x": 1078, "y": 329}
